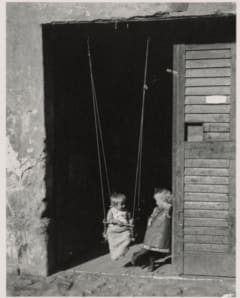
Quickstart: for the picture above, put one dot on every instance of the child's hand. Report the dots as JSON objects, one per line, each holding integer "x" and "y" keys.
{"x": 105, "y": 237}
{"x": 149, "y": 222}
{"x": 168, "y": 209}
{"x": 118, "y": 222}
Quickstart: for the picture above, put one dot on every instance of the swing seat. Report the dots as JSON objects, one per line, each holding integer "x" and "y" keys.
{"x": 131, "y": 227}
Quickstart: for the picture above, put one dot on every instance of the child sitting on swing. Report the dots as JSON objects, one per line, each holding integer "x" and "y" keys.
{"x": 157, "y": 237}
{"x": 119, "y": 226}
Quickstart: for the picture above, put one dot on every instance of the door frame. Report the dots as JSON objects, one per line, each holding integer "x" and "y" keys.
{"x": 178, "y": 157}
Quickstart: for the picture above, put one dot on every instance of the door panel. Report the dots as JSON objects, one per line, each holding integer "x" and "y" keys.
{"x": 205, "y": 159}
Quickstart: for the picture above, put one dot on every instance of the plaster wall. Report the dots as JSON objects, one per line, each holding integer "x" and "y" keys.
{"x": 27, "y": 227}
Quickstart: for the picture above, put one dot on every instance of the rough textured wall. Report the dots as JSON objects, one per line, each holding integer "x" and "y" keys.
{"x": 27, "y": 238}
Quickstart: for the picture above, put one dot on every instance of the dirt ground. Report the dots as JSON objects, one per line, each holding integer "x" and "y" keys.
{"x": 70, "y": 283}
{"x": 99, "y": 276}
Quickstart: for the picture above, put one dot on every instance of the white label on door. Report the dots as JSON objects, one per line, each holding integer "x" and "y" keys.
{"x": 216, "y": 99}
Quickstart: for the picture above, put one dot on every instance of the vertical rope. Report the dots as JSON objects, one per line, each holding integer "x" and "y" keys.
{"x": 140, "y": 171}
{"x": 137, "y": 187}
{"x": 96, "y": 128}
{"x": 102, "y": 145}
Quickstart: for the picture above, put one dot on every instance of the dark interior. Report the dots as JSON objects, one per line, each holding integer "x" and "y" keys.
{"x": 118, "y": 57}
{"x": 118, "y": 69}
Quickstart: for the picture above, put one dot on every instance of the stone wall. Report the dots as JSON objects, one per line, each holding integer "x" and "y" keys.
{"x": 27, "y": 180}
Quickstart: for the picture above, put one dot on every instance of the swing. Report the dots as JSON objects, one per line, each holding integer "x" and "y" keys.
{"x": 100, "y": 145}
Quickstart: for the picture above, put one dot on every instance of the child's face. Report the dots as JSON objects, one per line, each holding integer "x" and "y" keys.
{"x": 120, "y": 205}
{"x": 160, "y": 200}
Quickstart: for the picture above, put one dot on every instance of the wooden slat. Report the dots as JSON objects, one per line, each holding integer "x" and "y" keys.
{"x": 206, "y": 247}
{"x": 206, "y": 188}
{"x": 208, "y": 153}
{"x": 213, "y": 239}
{"x": 216, "y": 127}
{"x": 207, "y": 109}
{"x": 205, "y": 163}
{"x": 208, "y": 54}
{"x": 207, "y": 82}
{"x": 206, "y": 46}
{"x": 208, "y": 72}
{"x": 218, "y": 90}
{"x": 206, "y": 197}
{"x": 207, "y": 118}
{"x": 222, "y": 146}
{"x": 206, "y": 205}
{"x": 199, "y": 99}
{"x": 205, "y": 213}
{"x": 206, "y": 172}
{"x": 206, "y": 180}
{"x": 206, "y": 231}
{"x": 205, "y": 222}
{"x": 217, "y": 136}
{"x": 208, "y": 63}
{"x": 216, "y": 150}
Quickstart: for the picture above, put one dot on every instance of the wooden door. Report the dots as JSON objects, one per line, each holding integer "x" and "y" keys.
{"x": 204, "y": 159}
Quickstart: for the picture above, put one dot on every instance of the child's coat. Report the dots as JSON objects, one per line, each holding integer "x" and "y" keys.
{"x": 158, "y": 234}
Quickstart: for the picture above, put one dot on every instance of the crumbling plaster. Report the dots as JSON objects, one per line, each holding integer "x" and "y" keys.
{"x": 27, "y": 239}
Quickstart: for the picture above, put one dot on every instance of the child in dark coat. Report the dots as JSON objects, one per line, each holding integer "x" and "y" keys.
{"x": 157, "y": 238}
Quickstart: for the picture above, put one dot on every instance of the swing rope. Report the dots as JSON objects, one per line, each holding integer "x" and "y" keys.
{"x": 137, "y": 187}
{"x": 102, "y": 145}
{"x": 99, "y": 137}
{"x": 98, "y": 131}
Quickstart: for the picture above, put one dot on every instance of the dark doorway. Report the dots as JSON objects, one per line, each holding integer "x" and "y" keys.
{"x": 118, "y": 67}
